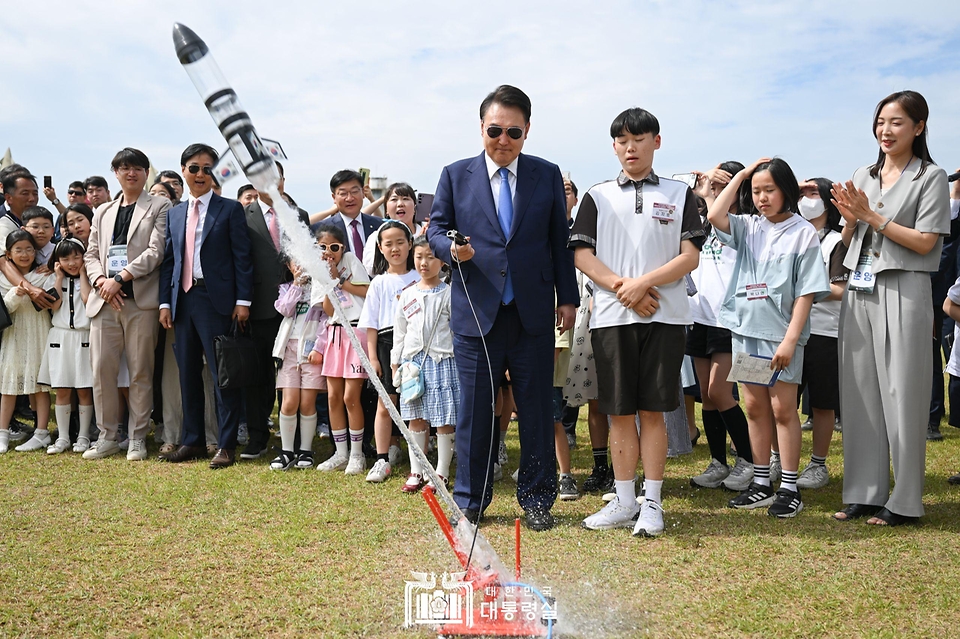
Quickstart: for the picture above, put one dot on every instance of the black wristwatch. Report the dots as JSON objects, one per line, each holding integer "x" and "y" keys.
{"x": 118, "y": 278}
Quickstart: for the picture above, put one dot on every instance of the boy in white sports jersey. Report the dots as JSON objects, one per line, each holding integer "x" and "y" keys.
{"x": 636, "y": 237}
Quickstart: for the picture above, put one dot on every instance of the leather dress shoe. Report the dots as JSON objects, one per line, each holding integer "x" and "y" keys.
{"x": 185, "y": 453}
{"x": 471, "y": 515}
{"x": 254, "y": 451}
{"x": 224, "y": 457}
{"x": 539, "y": 519}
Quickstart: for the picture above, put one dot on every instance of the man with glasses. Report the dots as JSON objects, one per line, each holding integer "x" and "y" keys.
{"x": 206, "y": 282}
{"x": 346, "y": 187}
{"x": 123, "y": 262}
{"x": 521, "y": 283}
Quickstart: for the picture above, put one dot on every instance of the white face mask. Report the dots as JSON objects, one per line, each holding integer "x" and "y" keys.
{"x": 811, "y": 208}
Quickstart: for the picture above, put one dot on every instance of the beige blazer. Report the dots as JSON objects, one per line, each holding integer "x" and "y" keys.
{"x": 144, "y": 248}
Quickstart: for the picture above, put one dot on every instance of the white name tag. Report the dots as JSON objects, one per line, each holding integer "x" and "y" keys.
{"x": 862, "y": 278}
{"x": 412, "y": 308}
{"x": 664, "y": 212}
{"x": 756, "y": 291}
{"x": 345, "y": 300}
{"x": 116, "y": 259}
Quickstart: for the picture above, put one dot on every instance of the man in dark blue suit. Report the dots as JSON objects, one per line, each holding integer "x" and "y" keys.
{"x": 346, "y": 187}
{"x": 521, "y": 282}
{"x": 206, "y": 281}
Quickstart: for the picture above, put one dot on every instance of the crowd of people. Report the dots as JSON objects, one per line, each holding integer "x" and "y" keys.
{"x": 116, "y": 303}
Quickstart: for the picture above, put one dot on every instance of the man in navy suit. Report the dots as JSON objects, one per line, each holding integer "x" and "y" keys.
{"x": 522, "y": 284}
{"x": 347, "y": 189}
{"x": 206, "y": 281}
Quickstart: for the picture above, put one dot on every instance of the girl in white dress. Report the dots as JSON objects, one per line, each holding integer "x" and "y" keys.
{"x": 22, "y": 346}
{"x": 66, "y": 361}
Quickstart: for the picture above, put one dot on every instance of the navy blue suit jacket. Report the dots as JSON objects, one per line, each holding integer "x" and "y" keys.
{"x": 541, "y": 265}
{"x": 224, "y": 255}
{"x": 369, "y": 224}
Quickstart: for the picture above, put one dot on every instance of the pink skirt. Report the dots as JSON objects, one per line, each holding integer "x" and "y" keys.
{"x": 339, "y": 360}
{"x": 306, "y": 375}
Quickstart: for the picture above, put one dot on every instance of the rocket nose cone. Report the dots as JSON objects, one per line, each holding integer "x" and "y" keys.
{"x": 190, "y": 47}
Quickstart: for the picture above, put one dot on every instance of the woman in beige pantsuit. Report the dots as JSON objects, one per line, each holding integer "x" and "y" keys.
{"x": 896, "y": 213}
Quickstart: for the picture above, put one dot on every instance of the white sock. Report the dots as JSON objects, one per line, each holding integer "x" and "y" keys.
{"x": 308, "y": 428}
{"x": 288, "y": 431}
{"x": 63, "y": 420}
{"x": 651, "y": 489}
{"x": 356, "y": 443}
{"x": 444, "y": 453}
{"x": 40, "y": 433}
{"x": 420, "y": 437}
{"x": 626, "y": 492}
{"x": 86, "y": 416}
{"x": 340, "y": 440}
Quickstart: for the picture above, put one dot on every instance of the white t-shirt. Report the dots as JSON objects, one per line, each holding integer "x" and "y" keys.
{"x": 712, "y": 277}
{"x": 636, "y": 228}
{"x": 352, "y": 268}
{"x": 380, "y": 307}
{"x": 825, "y": 315}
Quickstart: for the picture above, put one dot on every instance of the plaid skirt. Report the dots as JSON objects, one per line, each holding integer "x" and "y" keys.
{"x": 439, "y": 403}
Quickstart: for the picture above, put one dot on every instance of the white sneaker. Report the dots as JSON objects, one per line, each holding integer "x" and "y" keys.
{"x": 613, "y": 515}
{"x": 813, "y": 476}
{"x": 712, "y": 477}
{"x": 650, "y": 521}
{"x": 4, "y": 440}
{"x": 137, "y": 450}
{"x": 379, "y": 472}
{"x": 39, "y": 441}
{"x": 102, "y": 448}
{"x": 59, "y": 446}
{"x": 355, "y": 465}
{"x": 502, "y": 454}
{"x": 776, "y": 470}
{"x": 497, "y": 472}
{"x": 82, "y": 445}
{"x": 337, "y": 462}
{"x": 740, "y": 477}
{"x": 393, "y": 456}
{"x": 516, "y": 476}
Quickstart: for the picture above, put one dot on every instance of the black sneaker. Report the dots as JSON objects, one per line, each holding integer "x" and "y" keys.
{"x": 787, "y": 504}
{"x": 600, "y": 480}
{"x": 755, "y": 496}
{"x": 933, "y": 433}
{"x": 568, "y": 488}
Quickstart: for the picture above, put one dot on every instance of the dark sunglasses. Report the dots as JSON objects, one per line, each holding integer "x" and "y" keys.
{"x": 195, "y": 168}
{"x": 76, "y": 193}
{"x": 514, "y": 132}
{"x": 334, "y": 248}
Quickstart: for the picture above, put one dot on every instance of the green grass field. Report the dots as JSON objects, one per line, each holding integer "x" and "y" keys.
{"x": 115, "y": 548}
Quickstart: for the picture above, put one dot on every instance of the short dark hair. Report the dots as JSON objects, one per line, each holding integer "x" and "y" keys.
{"x": 636, "y": 121}
{"x": 130, "y": 157}
{"x": 167, "y": 188}
{"x": 508, "y": 96}
{"x": 342, "y": 177}
{"x": 328, "y": 227}
{"x": 170, "y": 175}
{"x": 196, "y": 149}
{"x": 95, "y": 181}
{"x": 80, "y": 207}
{"x": 76, "y": 184}
{"x": 18, "y": 236}
{"x": 66, "y": 246}
{"x": 279, "y": 167}
{"x": 13, "y": 168}
{"x": 289, "y": 200}
{"x": 573, "y": 187}
{"x": 243, "y": 189}
{"x": 400, "y": 188}
{"x": 10, "y": 180}
{"x": 35, "y": 212}
{"x": 785, "y": 180}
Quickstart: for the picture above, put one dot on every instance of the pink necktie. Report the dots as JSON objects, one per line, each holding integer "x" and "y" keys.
{"x": 357, "y": 240}
{"x": 186, "y": 276}
{"x": 274, "y": 229}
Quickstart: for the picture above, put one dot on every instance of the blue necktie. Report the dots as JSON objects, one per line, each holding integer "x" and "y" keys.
{"x": 505, "y": 213}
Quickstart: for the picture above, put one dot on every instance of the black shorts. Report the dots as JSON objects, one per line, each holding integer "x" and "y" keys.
{"x": 821, "y": 372}
{"x": 638, "y": 367}
{"x": 704, "y": 341}
{"x": 384, "y": 346}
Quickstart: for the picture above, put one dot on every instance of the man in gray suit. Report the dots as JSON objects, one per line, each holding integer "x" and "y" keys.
{"x": 269, "y": 270}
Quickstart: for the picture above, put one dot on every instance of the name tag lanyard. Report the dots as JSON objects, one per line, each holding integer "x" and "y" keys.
{"x": 862, "y": 279}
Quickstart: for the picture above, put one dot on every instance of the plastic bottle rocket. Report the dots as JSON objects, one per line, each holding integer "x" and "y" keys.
{"x": 225, "y": 109}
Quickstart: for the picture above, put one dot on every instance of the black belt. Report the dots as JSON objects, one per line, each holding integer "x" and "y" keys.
{"x": 198, "y": 282}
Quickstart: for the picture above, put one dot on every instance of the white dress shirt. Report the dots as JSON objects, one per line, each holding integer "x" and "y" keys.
{"x": 493, "y": 170}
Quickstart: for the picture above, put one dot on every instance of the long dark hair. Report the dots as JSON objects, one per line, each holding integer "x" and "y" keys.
{"x": 915, "y": 106}
{"x": 380, "y": 264}
{"x": 833, "y": 215}
{"x": 785, "y": 180}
